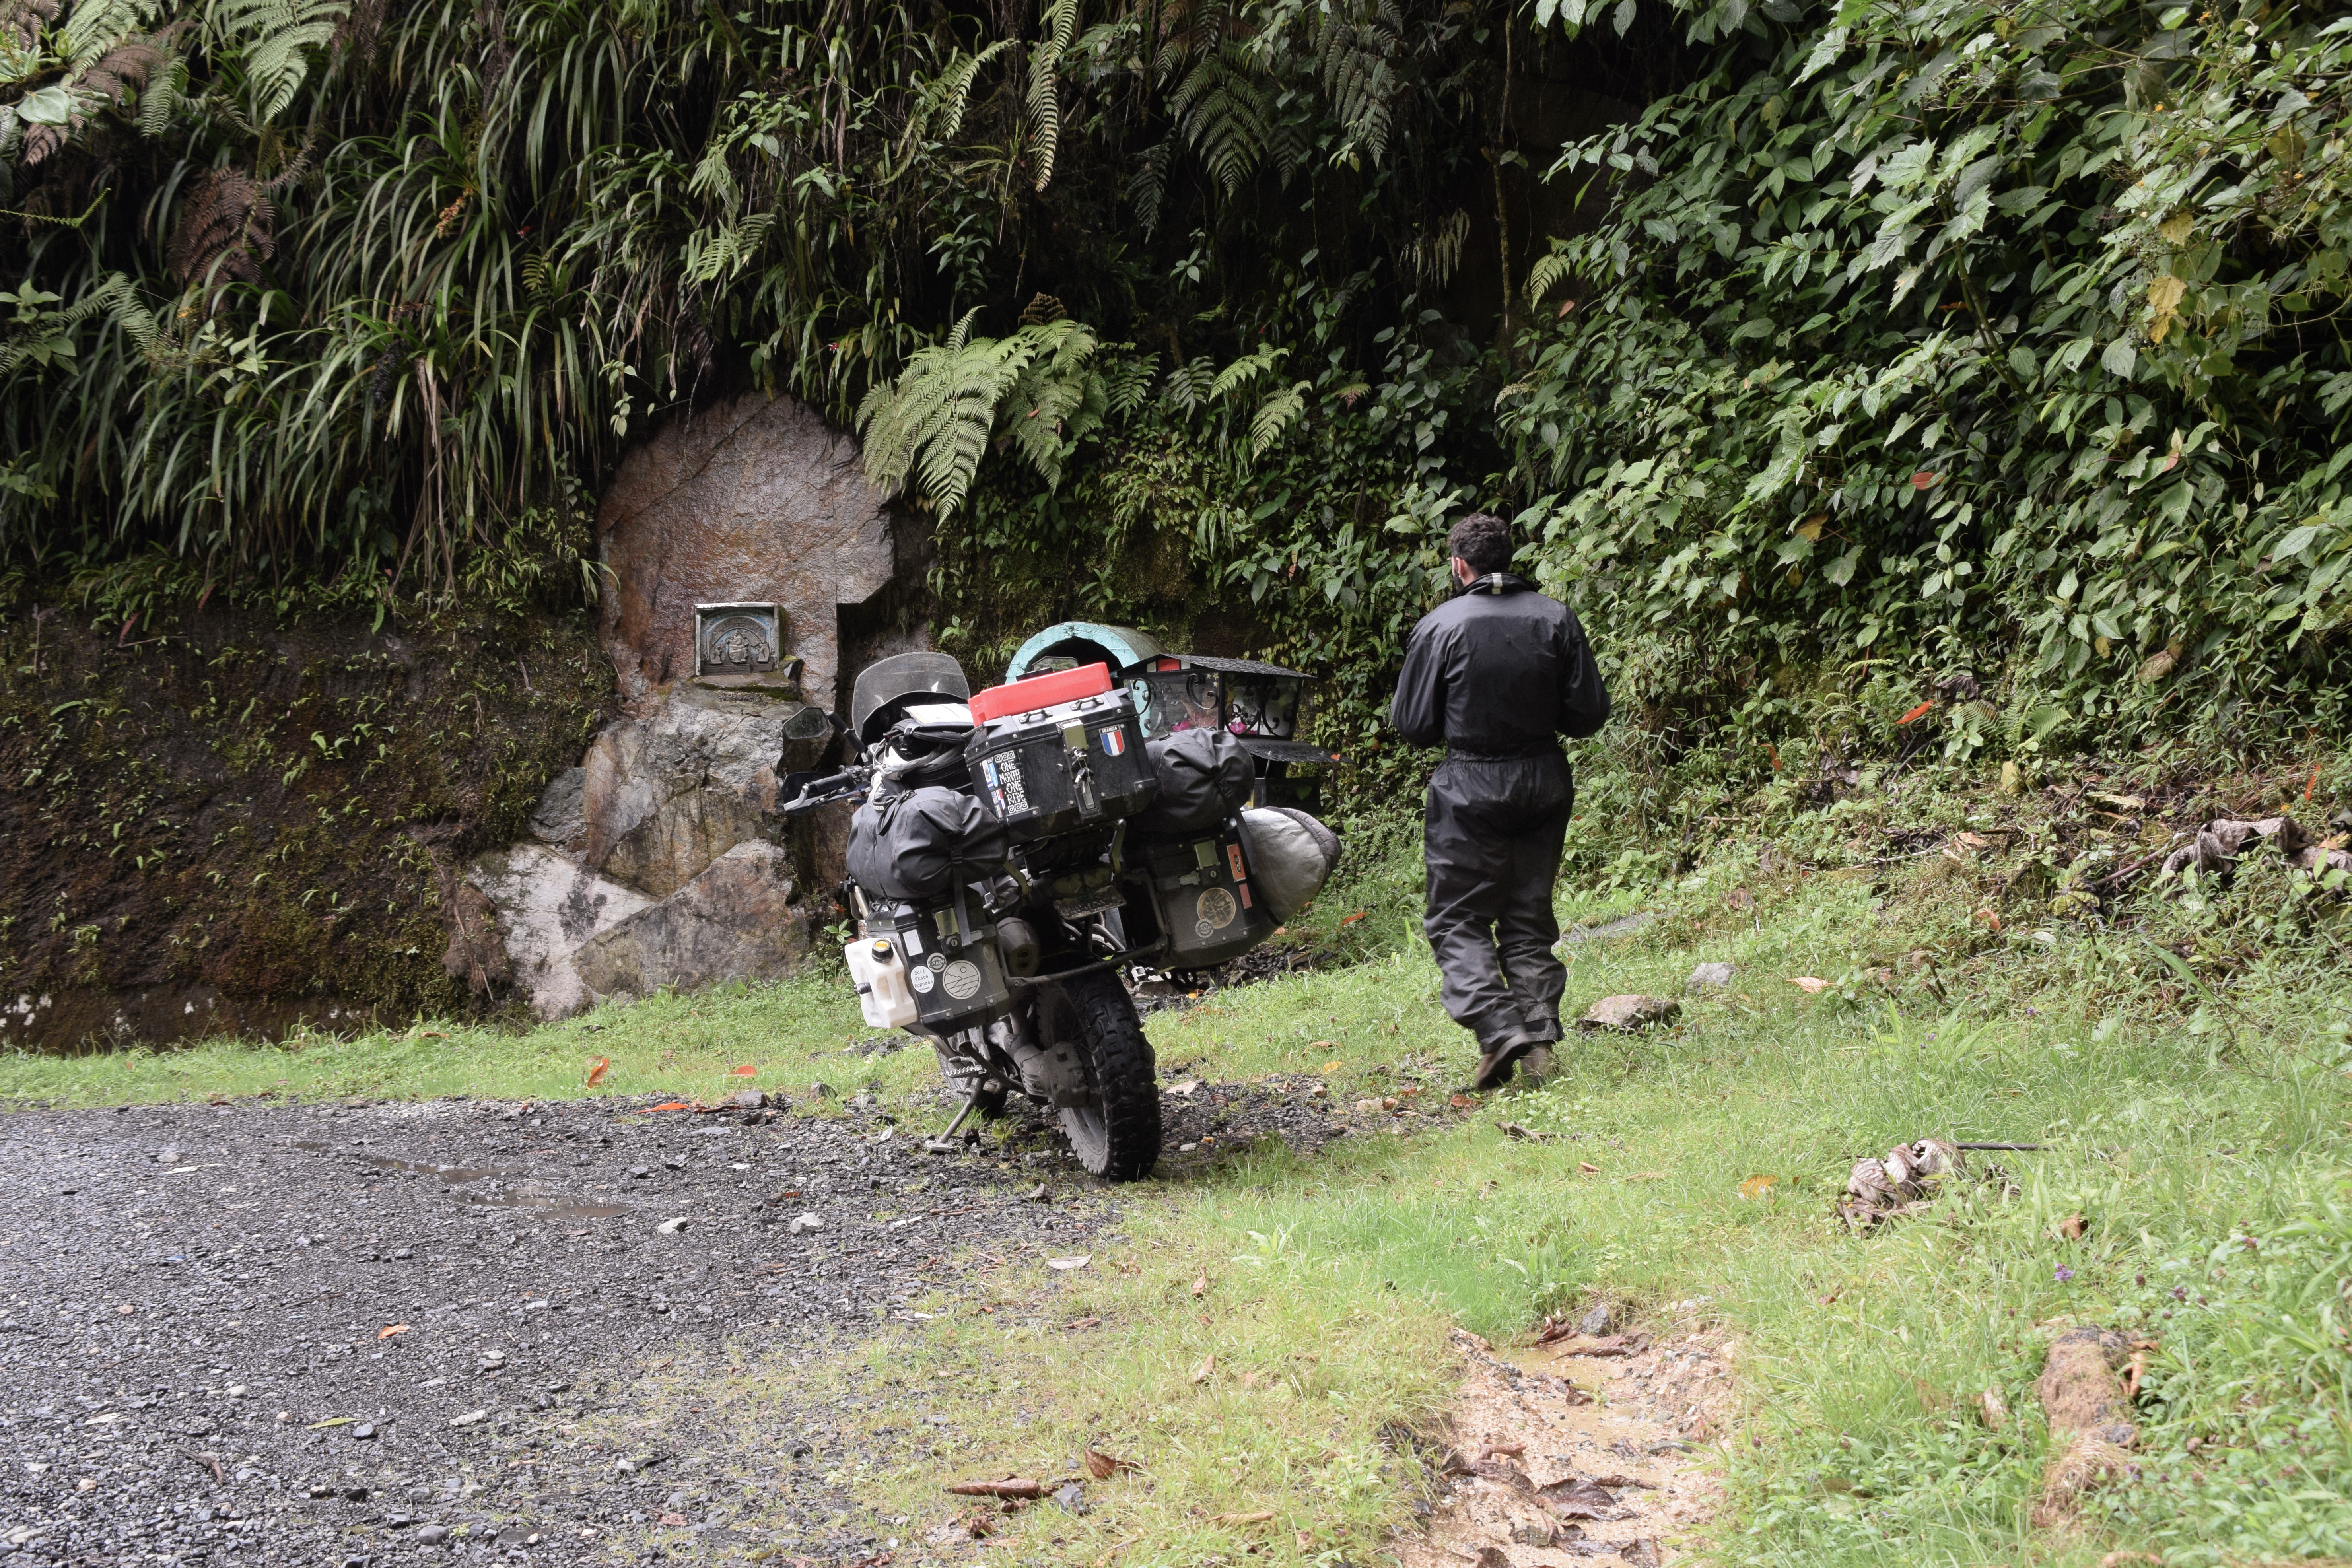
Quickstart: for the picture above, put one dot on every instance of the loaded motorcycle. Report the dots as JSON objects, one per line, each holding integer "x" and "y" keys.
{"x": 1013, "y": 853}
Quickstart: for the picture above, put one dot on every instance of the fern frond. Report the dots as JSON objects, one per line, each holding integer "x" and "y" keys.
{"x": 95, "y": 27}
{"x": 1276, "y": 414}
{"x": 1149, "y": 186}
{"x": 275, "y": 39}
{"x": 1238, "y": 376}
{"x": 1127, "y": 382}
{"x": 1061, "y": 22}
{"x": 1356, "y": 45}
{"x": 934, "y": 420}
{"x": 1224, "y": 110}
{"x": 941, "y": 109}
{"x": 1187, "y": 386}
{"x": 1547, "y": 271}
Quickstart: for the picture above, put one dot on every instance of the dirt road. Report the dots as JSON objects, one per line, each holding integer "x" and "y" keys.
{"x": 370, "y": 1334}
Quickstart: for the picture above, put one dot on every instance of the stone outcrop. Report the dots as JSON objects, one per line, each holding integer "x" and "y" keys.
{"x": 659, "y": 862}
{"x": 736, "y": 920}
{"x": 548, "y": 906}
{"x": 754, "y": 499}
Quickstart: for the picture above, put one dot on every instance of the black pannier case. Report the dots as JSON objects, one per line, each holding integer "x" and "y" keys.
{"x": 955, "y": 972}
{"x": 1200, "y": 890}
{"x": 1061, "y": 768}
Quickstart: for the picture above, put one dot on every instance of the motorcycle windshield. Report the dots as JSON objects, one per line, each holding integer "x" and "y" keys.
{"x": 886, "y": 683}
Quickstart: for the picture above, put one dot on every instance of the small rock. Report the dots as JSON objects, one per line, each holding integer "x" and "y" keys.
{"x": 1037, "y": 1195}
{"x": 433, "y": 1535}
{"x": 821, "y": 1092}
{"x": 402, "y": 1254}
{"x": 672, "y": 1227}
{"x": 363, "y": 1433}
{"x": 1711, "y": 976}
{"x": 1071, "y": 1498}
{"x": 1629, "y": 1013}
{"x": 1535, "y": 1532}
{"x": 747, "y": 1099}
{"x": 167, "y": 1156}
{"x": 471, "y": 1418}
{"x": 639, "y": 1172}
{"x": 1598, "y": 1320}
{"x": 803, "y": 1224}
{"x": 1368, "y": 1107}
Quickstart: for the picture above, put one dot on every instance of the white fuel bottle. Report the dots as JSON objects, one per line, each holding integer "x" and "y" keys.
{"x": 880, "y": 976}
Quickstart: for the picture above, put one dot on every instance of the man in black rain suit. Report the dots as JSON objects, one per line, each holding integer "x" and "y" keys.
{"x": 1497, "y": 674}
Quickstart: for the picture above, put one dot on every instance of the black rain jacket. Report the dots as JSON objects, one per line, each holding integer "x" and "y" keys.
{"x": 1498, "y": 671}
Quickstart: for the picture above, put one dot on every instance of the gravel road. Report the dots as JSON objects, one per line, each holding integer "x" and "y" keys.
{"x": 369, "y": 1334}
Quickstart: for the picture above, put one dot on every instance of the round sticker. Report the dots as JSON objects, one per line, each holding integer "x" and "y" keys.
{"x": 961, "y": 979}
{"x": 1216, "y": 909}
{"x": 922, "y": 978}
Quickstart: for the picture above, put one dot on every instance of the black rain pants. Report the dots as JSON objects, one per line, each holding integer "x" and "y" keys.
{"x": 1492, "y": 833}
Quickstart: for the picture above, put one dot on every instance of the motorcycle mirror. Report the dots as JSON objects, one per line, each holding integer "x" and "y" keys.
{"x": 808, "y": 724}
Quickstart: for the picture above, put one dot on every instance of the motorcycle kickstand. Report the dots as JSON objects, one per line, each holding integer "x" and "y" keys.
{"x": 945, "y": 1142}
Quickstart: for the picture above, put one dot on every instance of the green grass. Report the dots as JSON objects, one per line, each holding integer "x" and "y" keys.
{"x": 792, "y": 1035}
{"x": 2187, "y": 1072}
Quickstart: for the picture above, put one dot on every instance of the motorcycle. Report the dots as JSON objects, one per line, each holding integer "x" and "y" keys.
{"x": 1014, "y": 853}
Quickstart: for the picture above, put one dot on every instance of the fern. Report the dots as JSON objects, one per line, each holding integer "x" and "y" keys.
{"x": 935, "y": 419}
{"x": 1127, "y": 380}
{"x": 1433, "y": 256}
{"x": 1061, "y": 22}
{"x": 1149, "y": 186}
{"x": 1239, "y": 376}
{"x": 1356, "y": 45}
{"x": 274, "y": 38}
{"x": 1277, "y": 413}
{"x": 1548, "y": 271}
{"x": 1224, "y": 113}
{"x": 940, "y": 109}
{"x": 718, "y": 256}
{"x": 1187, "y": 386}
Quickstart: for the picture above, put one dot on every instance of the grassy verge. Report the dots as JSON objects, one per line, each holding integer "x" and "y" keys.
{"x": 2185, "y": 1069}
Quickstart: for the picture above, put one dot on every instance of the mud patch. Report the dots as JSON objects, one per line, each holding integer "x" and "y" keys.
{"x": 1555, "y": 1459}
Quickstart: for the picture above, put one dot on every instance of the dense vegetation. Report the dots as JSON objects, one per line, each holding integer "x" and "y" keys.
{"x": 1990, "y": 353}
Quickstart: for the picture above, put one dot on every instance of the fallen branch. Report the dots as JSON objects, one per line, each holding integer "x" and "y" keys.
{"x": 1010, "y": 1487}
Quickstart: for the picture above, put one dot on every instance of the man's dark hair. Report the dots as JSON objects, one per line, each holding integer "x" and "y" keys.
{"x": 1484, "y": 540}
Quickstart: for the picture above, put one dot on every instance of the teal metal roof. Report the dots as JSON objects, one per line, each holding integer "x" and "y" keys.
{"x": 1124, "y": 648}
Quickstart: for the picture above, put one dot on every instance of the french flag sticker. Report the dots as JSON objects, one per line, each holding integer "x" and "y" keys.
{"x": 1113, "y": 742}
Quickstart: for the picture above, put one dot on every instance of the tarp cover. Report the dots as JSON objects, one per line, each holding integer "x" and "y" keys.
{"x": 905, "y": 845}
{"x": 1291, "y": 854}
{"x": 1204, "y": 778}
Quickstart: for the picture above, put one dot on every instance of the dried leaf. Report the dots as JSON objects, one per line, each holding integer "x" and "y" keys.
{"x": 1206, "y": 1366}
{"x": 1066, "y": 1264}
{"x": 385, "y": 1333}
{"x": 1811, "y": 984}
{"x": 597, "y": 1072}
{"x": 2071, "y": 1228}
{"x": 1102, "y": 1466}
{"x": 1200, "y": 1285}
{"x": 1919, "y": 712}
{"x": 747, "y": 1070}
{"x": 1757, "y": 1187}
{"x": 1588, "y": 1168}
{"x": 1258, "y": 1516}
{"x": 1992, "y": 1410}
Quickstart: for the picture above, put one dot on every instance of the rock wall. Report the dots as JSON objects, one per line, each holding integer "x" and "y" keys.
{"x": 659, "y": 861}
{"x": 222, "y": 822}
{"x": 753, "y": 499}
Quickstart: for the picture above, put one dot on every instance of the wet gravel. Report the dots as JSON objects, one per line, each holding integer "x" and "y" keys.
{"x": 365, "y": 1333}
{"x": 368, "y": 1334}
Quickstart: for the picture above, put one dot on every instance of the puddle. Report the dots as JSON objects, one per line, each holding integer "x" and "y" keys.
{"x": 529, "y": 1196}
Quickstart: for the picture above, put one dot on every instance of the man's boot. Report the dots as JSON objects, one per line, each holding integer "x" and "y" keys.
{"x": 1537, "y": 1067}
{"x": 1494, "y": 1066}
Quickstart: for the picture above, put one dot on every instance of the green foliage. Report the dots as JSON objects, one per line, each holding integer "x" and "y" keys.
{"x": 1980, "y": 338}
{"x": 301, "y": 283}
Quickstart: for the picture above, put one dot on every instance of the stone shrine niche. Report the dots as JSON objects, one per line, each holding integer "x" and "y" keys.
{"x": 755, "y": 501}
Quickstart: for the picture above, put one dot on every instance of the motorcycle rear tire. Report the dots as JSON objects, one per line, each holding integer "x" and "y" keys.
{"x": 1117, "y": 1135}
